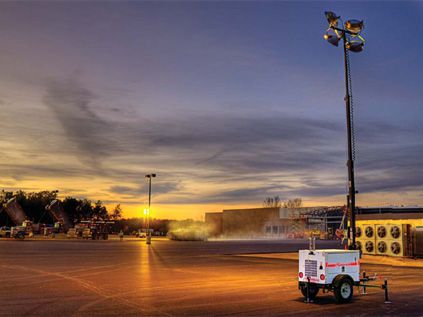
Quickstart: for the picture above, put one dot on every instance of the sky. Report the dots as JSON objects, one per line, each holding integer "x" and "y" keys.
{"x": 227, "y": 102}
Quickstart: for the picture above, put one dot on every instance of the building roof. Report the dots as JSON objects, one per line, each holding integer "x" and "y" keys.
{"x": 392, "y": 210}
{"x": 386, "y": 216}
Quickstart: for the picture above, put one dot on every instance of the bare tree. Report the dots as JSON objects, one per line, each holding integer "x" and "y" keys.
{"x": 272, "y": 202}
{"x": 116, "y": 213}
{"x": 293, "y": 203}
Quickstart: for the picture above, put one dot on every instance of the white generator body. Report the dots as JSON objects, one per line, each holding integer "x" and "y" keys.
{"x": 323, "y": 266}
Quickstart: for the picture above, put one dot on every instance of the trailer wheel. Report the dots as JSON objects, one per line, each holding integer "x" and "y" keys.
{"x": 343, "y": 289}
{"x": 312, "y": 293}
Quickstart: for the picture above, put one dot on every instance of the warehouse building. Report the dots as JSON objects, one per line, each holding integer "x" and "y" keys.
{"x": 273, "y": 222}
{"x": 380, "y": 231}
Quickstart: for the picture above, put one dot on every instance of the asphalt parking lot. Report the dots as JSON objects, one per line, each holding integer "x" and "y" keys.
{"x": 171, "y": 278}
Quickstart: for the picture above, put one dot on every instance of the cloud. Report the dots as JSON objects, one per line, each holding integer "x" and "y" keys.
{"x": 226, "y": 149}
{"x": 70, "y": 102}
{"x": 141, "y": 190}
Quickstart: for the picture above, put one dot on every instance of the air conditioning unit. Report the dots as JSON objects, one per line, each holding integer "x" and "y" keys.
{"x": 382, "y": 232}
{"x": 382, "y": 238}
{"x": 396, "y": 248}
{"x": 382, "y": 247}
{"x": 396, "y": 232}
{"x": 359, "y": 234}
{"x": 368, "y": 239}
{"x": 399, "y": 240}
{"x": 369, "y": 247}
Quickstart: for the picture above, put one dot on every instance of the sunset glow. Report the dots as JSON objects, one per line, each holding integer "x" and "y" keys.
{"x": 227, "y": 102}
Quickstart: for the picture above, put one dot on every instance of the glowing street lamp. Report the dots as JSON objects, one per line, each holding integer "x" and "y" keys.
{"x": 147, "y": 210}
{"x": 354, "y": 42}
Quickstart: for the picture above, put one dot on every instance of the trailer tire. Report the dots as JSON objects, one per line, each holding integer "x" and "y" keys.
{"x": 343, "y": 289}
{"x": 313, "y": 291}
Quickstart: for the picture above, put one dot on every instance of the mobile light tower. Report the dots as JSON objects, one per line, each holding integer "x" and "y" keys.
{"x": 349, "y": 33}
{"x": 147, "y": 210}
{"x": 338, "y": 270}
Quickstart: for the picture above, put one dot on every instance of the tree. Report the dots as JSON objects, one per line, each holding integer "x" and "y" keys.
{"x": 99, "y": 210}
{"x": 34, "y": 204}
{"x": 272, "y": 202}
{"x": 71, "y": 205}
{"x": 293, "y": 203}
{"x": 116, "y": 213}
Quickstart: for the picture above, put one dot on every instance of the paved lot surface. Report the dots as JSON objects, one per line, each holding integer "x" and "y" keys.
{"x": 169, "y": 278}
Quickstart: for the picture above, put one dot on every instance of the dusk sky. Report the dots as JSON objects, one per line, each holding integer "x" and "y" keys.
{"x": 228, "y": 102}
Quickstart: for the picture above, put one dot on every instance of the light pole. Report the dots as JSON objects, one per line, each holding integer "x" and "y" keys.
{"x": 147, "y": 211}
{"x": 352, "y": 41}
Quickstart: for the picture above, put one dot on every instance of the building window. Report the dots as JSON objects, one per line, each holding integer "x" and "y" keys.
{"x": 275, "y": 229}
{"x": 268, "y": 229}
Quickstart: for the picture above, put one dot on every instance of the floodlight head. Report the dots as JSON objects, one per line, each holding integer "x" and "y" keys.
{"x": 332, "y": 37}
{"x": 332, "y": 18}
{"x": 355, "y": 46}
{"x": 153, "y": 175}
{"x": 354, "y": 26}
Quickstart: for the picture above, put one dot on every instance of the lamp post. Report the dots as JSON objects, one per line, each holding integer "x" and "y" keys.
{"x": 352, "y": 41}
{"x": 147, "y": 211}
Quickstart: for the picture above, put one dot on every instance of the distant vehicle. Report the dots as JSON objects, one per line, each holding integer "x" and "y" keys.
{"x": 48, "y": 231}
{"x": 86, "y": 233}
{"x": 61, "y": 219}
{"x": 141, "y": 234}
{"x": 18, "y": 232}
{"x": 95, "y": 233}
{"x": 72, "y": 233}
{"x": 5, "y": 232}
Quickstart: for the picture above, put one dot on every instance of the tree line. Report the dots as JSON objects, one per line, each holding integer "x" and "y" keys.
{"x": 277, "y": 202}
{"x": 34, "y": 205}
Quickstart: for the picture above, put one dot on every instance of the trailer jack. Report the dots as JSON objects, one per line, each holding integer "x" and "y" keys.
{"x": 366, "y": 279}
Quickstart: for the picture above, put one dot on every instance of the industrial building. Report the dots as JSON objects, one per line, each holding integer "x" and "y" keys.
{"x": 380, "y": 231}
{"x": 274, "y": 222}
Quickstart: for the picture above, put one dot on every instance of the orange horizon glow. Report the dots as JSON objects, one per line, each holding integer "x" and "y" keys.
{"x": 133, "y": 208}
{"x": 197, "y": 211}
